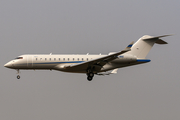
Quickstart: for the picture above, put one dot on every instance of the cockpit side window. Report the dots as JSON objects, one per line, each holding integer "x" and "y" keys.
{"x": 19, "y": 58}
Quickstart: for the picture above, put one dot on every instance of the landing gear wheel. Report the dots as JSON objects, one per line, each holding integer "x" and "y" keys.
{"x": 18, "y": 77}
{"x": 89, "y": 78}
{"x": 91, "y": 74}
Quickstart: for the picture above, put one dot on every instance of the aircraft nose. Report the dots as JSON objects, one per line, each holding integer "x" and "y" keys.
{"x": 8, "y": 65}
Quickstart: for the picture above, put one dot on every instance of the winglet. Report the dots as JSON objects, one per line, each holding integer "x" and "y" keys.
{"x": 129, "y": 46}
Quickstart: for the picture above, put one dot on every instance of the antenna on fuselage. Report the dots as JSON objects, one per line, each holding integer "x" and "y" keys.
{"x": 87, "y": 54}
{"x": 50, "y": 54}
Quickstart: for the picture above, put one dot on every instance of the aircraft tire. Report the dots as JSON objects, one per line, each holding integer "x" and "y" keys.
{"x": 89, "y": 78}
{"x": 18, "y": 77}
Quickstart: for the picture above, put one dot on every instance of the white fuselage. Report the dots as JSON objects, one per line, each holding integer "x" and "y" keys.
{"x": 57, "y": 62}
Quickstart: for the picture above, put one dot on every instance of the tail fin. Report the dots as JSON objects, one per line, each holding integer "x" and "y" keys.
{"x": 142, "y": 47}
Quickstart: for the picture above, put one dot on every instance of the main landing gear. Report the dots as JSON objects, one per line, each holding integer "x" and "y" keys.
{"x": 90, "y": 75}
{"x": 18, "y": 76}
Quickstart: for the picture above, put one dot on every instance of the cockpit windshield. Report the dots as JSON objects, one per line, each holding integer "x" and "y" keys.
{"x": 19, "y": 58}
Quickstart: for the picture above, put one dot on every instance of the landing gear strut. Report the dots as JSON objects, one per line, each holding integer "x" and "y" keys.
{"x": 18, "y": 76}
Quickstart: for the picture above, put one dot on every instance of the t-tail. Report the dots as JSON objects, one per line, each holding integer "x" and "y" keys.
{"x": 142, "y": 47}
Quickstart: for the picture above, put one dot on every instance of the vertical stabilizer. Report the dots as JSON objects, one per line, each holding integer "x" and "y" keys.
{"x": 142, "y": 47}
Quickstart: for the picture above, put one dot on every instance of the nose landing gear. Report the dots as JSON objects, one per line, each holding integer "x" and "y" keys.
{"x": 18, "y": 76}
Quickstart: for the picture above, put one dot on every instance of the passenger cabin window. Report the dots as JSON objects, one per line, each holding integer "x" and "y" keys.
{"x": 63, "y": 58}
{"x": 82, "y": 58}
{"x": 73, "y": 59}
{"x": 54, "y": 59}
{"x": 49, "y": 58}
{"x": 19, "y": 58}
{"x": 45, "y": 58}
{"x": 68, "y": 59}
{"x": 36, "y": 59}
{"x": 87, "y": 59}
{"x": 78, "y": 59}
{"x": 59, "y": 59}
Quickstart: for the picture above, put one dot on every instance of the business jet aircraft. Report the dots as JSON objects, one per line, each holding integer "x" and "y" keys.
{"x": 133, "y": 54}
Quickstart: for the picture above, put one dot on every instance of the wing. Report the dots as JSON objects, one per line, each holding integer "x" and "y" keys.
{"x": 99, "y": 62}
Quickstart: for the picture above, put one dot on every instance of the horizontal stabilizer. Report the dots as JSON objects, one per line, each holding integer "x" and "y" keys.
{"x": 161, "y": 42}
{"x": 158, "y": 40}
{"x": 151, "y": 37}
